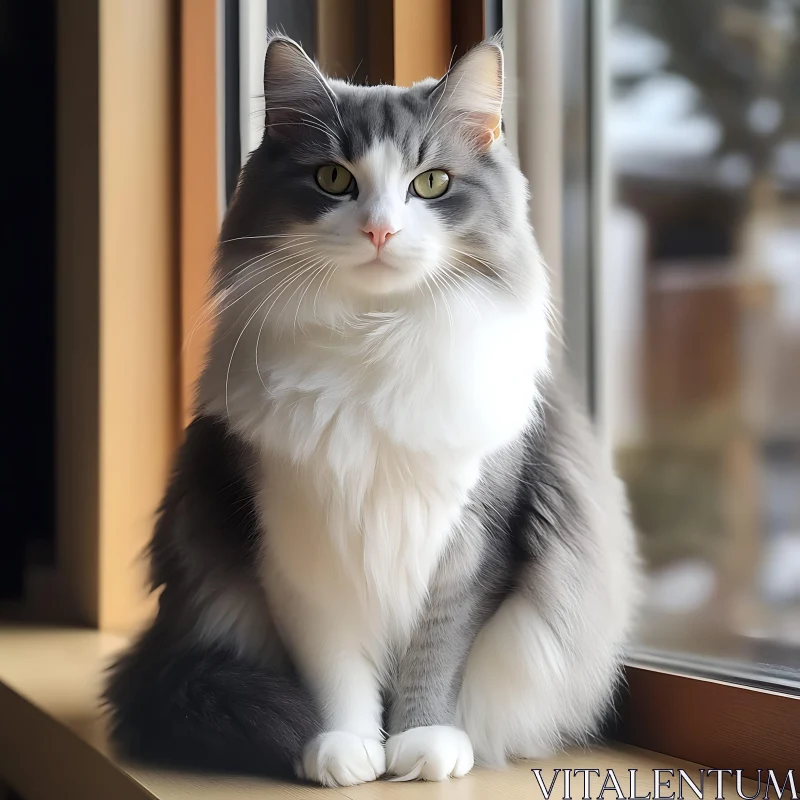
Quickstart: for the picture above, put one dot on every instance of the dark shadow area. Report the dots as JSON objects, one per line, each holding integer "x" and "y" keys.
{"x": 27, "y": 66}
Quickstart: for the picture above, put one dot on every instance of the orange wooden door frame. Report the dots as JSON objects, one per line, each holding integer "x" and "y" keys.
{"x": 200, "y": 181}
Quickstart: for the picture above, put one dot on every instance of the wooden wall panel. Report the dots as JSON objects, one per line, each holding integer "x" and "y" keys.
{"x": 380, "y": 26}
{"x": 138, "y": 353}
{"x": 422, "y": 40}
{"x": 338, "y": 46}
{"x": 199, "y": 183}
{"x": 116, "y": 288}
{"x": 468, "y": 23}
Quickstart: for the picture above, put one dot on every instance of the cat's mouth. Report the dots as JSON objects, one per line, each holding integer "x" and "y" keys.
{"x": 377, "y": 265}
{"x": 380, "y": 276}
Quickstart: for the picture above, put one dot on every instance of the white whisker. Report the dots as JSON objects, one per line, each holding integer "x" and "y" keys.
{"x": 476, "y": 279}
{"x": 272, "y": 274}
{"x": 244, "y": 328}
{"x": 304, "y": 124}
{"x": 493, "y": 268}
{"x": 443, "y": 108}
{"x": 330, "y": 95}
{"x": 201, "y": 315}
{"x": 233, "y": 353}
{"x": 279, "y": 289}
{"x": 330, "y": 269}
{"x": 274, "y": 236}
{"x": 242, "y": 267}
{"x": 437, "y": 279}
{"x": 305, "y": 113}
{"x": 461, "y": 290}
{"x": 307, "y": 285}
{"x": 433, "y": 298}
{"x": 470, "y": 283}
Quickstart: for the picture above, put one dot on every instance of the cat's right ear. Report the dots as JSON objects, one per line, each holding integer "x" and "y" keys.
{"x": 295, "y": 91}
{"x": 471, "y": 94}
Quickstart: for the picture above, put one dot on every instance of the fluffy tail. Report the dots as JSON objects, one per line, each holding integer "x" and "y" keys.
{"x": 192, "y": 706}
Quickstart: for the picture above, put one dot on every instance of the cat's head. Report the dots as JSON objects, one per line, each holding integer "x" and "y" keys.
{"x": 365, "y": 193}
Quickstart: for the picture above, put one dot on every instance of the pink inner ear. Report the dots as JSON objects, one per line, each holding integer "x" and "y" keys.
{"x": 486, "y": 129}
{"x": 485, "y": 140}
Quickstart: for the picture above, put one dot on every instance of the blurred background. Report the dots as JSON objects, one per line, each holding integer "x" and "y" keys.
{"x": 701, "y": 291}
{"x": 662, "y": 142}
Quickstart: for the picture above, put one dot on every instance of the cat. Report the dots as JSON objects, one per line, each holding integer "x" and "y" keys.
{"x": 391, "y": 544}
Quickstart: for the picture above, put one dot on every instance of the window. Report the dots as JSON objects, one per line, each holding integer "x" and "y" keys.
{"x": 662, "y": 142}
{"x": 701, "y": 330}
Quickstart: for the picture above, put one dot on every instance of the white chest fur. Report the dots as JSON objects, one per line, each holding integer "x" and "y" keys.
{"x": 371, "y": 442}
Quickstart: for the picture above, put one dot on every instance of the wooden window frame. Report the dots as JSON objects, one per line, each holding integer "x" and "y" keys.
{"x": 712, "y": 722}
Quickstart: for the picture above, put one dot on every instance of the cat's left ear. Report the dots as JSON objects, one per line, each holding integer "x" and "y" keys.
{"x": 296, "y": 93}
{"x": 472, "y": 94}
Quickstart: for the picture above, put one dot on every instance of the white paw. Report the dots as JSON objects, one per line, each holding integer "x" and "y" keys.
{"x": 433, "y": 753}
{"x": 342, "y": 759}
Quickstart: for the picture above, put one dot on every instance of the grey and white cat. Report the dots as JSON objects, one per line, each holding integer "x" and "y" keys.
{"x": 391, "y": 544}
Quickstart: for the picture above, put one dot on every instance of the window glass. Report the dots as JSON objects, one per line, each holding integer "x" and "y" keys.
{"x": 701, "y": 298}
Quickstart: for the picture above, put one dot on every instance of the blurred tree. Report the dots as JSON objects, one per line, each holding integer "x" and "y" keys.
{"x": 742, "y": 55}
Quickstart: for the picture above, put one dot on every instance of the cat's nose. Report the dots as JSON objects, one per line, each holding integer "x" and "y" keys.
{"x": 379, "y": 234}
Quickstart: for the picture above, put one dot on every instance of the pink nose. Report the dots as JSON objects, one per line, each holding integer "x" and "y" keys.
{"x": 379, "y": 234}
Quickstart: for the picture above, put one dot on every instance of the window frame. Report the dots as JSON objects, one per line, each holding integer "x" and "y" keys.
{"x": 710, "y": 721}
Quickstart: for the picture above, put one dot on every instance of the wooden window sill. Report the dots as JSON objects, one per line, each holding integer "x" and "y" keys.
{"x": 53, "y": 742}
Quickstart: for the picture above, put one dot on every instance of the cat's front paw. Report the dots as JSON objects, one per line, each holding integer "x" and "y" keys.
{"x": 342, "y": 759}
{"x": 433, "y": 753}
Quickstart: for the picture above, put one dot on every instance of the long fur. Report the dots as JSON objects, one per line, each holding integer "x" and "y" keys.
{"x": 389, "y": 515}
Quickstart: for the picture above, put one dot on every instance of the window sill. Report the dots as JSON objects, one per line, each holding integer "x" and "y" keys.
{"x": 53, "y": 744}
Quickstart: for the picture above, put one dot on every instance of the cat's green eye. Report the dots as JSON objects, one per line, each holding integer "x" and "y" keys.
{"x": 334, "y": 179}
{"x": 431, "y": 184}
